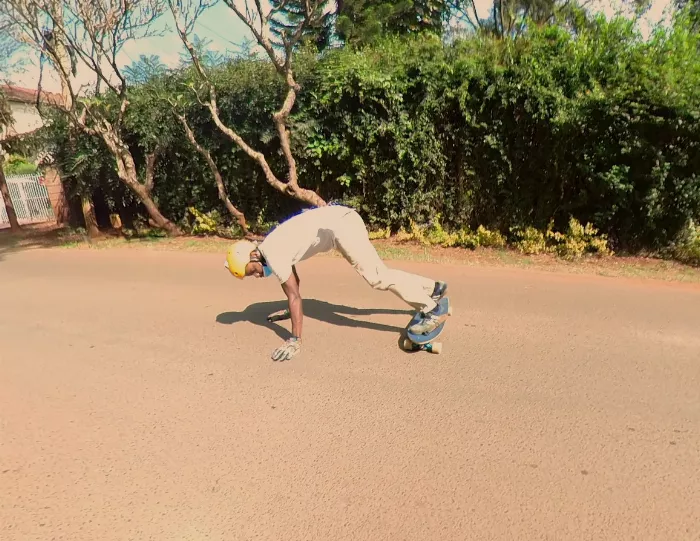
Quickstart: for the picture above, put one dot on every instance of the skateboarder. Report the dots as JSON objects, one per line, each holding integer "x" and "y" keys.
{"x": 320, "y": 230}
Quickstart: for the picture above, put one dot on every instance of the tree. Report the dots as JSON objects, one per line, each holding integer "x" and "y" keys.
{"x": 146, "y": 67}
{"x": 280, "y": 50}
{"x": 161, "y": 89}
{"x": 8, "y": 47}
{"x": 692, "y": 9}
{"x": 5, "y": 196}
{"x": 360, "y": 22}
{"x": 92, "y": 32}
{"x": 510, "y": 18}
{"x": 218, "y": 179}
{"x": 292, "y": 13}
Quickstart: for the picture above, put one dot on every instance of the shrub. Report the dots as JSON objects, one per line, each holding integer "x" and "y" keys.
{"x": 204, "y": 223}
{"x": 402, "y": 235}
{"x": 466, "y": 238}
{"x": 18, "y": 165}
{"x": 578, "y": 240}
{"x": 383, "y": 233}
{"x": 530, "y": 241}
{"x": 437, "y": 236}
{"x": 209, "y": 224}
{"x": 489, "y": 239}
{"x": 687, "y": 247}
{"x": 418, "y": 232}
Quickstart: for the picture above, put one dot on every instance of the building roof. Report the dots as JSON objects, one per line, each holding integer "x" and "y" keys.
{"x": 28, "y": 95}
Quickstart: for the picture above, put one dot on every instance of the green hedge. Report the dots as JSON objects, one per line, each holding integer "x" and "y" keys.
{"x": 18, "y": 165}
{"x": 602, "y": 127}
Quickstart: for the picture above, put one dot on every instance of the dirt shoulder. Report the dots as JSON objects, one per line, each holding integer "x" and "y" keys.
{"x": 640, "y": 268}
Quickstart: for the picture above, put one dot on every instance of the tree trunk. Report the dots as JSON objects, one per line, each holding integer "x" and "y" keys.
{"x": 127, "y": 172}
{"x": 280, "y": 117}
{"x": 5, "y": 190}
{"x": 223, "y": 196}
{"x": 89, "y": 215}
{"x": 156, "y": 217}
{"x": 126, "y": 169}
{"x": 290, "y": 188}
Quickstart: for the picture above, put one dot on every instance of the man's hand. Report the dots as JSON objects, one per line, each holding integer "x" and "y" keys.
{"x": 287, "y": 350}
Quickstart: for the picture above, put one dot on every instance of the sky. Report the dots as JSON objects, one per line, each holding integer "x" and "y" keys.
{"x": 225, "y": 32}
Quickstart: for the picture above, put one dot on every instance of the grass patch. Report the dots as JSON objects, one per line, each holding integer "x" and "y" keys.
{"x": 405, "y": 254}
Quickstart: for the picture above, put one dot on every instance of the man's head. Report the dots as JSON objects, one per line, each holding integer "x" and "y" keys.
{"x": 243, "y": 259}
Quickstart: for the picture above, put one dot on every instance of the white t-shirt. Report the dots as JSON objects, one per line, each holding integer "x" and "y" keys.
{"x": 300, "y": 237}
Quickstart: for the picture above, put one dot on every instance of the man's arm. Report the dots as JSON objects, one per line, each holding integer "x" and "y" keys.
{"x": 291, "y": 289}
{"x": 291, "y": 347}
{"x": 284, "y": 314}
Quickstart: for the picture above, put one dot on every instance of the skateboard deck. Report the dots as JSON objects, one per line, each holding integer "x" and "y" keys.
{"x": 417, "y": 342}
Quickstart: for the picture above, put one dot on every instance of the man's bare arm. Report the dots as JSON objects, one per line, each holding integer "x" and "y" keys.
{"x": 291, "y": 289}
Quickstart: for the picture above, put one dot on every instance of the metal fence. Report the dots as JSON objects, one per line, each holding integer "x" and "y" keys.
{"x": 30, "y": 199}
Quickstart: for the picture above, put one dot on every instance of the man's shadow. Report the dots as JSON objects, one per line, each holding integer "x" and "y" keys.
{"x": 323, "y": 311}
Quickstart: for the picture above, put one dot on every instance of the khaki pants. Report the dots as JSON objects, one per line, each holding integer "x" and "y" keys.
{"x": 352, "y": 241}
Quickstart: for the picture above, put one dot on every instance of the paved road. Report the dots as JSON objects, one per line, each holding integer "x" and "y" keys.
{"x": 138, "y": 402}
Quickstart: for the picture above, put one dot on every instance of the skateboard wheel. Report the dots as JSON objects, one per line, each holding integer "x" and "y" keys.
{"x": 449, "y": 311}
{"x": 407, "y": 344}
{"x": 436, "y": 348}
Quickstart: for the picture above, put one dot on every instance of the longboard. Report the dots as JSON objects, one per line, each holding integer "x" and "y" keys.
{"x": 417, "y": 342}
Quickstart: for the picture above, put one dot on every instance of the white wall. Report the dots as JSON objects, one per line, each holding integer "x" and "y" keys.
{"x": 25, "y": 118}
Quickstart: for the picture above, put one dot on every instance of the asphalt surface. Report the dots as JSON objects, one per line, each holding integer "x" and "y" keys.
{"x": 138, "y": 401}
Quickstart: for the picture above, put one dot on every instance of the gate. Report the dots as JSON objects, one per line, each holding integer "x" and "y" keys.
{"x": 30, "y": 199}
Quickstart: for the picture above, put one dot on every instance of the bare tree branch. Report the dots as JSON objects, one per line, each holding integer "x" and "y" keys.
{"x": 260, "y": 14}
{"x": 523, "y": 21}
{"x": 461, "y": 9}
{"x": 262, "y": 36}
{"x": 218, "y": 179}
{"x": 476, "y": 15}
{"x": 277, "y": 9}
{"x": 184, "y": 23}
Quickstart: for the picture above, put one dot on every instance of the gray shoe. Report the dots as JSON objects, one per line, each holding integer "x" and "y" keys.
{"x": 439, "y": 291}
{"x": 431, "y": 321}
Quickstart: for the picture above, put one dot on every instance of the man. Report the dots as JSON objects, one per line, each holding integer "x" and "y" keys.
{"x": 321, "y": 230}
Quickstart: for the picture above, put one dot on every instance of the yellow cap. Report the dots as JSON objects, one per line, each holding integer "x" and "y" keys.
{"x": 238, "y": 256}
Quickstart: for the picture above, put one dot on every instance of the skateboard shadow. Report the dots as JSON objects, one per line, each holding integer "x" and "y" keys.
{"x": 335, "y": 314}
